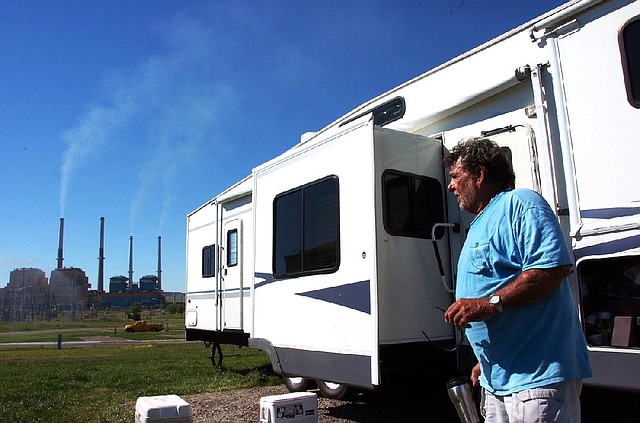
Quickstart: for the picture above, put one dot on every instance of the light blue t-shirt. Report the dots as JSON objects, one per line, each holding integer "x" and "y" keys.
{"x": 534, "y": 345}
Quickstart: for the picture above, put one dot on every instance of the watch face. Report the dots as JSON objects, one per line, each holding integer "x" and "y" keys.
{"x": 496, "y": 301}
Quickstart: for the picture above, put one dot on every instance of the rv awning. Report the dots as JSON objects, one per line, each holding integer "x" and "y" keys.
{"x": 612, "y": 244}
{"x": 436, "y": 98}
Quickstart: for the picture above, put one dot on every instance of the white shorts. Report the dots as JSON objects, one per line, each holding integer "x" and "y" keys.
{"x": 557, "y": 403}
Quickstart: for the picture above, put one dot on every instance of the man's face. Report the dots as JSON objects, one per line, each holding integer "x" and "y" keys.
{"x": 465, "y": 187}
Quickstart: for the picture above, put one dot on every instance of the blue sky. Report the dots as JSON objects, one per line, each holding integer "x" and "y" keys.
{"x": 140, "y": 111}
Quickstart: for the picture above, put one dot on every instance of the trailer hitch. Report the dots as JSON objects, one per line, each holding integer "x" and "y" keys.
{"x": 215, "y": 347}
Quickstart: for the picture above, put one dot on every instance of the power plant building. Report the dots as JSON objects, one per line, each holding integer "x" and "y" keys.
{"x": 70, "y": 286}
{"x": 118, "y": 284}
{"x": 123, "y": 294}
{"x": 25, "y": 296}
{"x": 27, "y": 278}
{"x": 30, "y": 294}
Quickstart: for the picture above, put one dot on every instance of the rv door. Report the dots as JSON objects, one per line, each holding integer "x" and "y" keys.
{"x": 517, "y": 140}
{"x": 232, "y": 286}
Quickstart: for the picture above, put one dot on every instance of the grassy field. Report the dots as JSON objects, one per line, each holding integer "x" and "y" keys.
{"x": 101, "y": 324}
{"x": 102, "y": 383}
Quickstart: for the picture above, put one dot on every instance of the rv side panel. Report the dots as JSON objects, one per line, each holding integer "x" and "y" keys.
{"x": 603, "y": 124}
{"x": 410, "y": 196}
{"x": 219, "y": 256}
{"x": 329, "y": 314}
{"x": 202, "y": 291}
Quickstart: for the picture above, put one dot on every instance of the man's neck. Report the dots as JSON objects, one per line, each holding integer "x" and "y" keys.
{"x": 486, "y": 194}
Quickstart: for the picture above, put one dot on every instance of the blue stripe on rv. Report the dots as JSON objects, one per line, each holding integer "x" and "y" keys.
{"x": 609, "y": 213}
{"x": 609, "y": 247}
{"x": 355, "y": 295}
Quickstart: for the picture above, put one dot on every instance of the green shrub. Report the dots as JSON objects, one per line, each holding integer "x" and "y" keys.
{"x": 175, "y": 308}
{"x": 134, "y": 312}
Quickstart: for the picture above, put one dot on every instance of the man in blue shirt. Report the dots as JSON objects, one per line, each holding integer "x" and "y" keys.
{"x": 512, "y": 295}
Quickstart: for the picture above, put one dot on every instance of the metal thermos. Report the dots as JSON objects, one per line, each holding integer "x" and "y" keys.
{"x": 462, "y": 398}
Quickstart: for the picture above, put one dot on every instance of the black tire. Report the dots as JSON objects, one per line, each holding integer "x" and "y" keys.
{"x": 154, "y": 329}
{"x": 129, "y": 330}
{"x": 332, "y": 390}
{"x": 297, "y": 384}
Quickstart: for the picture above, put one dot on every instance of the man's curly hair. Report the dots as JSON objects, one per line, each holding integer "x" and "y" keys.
{"x": 478, "y": 153}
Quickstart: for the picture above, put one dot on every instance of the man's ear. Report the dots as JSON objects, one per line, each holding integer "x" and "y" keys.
{"x": 482, "y": 173}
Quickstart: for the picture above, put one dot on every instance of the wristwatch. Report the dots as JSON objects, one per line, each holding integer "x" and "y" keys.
{"x": 496, "y": 301}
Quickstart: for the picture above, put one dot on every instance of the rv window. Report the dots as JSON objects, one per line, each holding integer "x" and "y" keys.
{"x": 630, "y": 45}
{"x": 412, "y": 204}
{"x": 306, "y": 229}
{"x": 208, "y": 261}
{"x": 232, "y": 248}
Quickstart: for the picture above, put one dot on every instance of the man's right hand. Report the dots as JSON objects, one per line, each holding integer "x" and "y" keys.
{"x": 475, "y": 375}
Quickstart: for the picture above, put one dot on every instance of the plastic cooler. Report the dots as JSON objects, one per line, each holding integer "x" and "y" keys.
{"x": 164, "y": 408}
{"x": 294, "y": 407}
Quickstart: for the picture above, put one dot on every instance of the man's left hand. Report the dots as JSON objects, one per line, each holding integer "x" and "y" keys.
{"x": 466, "y": 310}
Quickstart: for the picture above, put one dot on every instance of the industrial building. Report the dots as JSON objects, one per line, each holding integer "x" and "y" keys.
{"x": 30, "y": 295}
{"x": 70, "y": 287}
{"x": 27, "y": 295}
{"x": 123, "y": 294}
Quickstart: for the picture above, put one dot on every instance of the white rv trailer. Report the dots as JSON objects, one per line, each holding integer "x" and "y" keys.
{"x": 327, "y": 257}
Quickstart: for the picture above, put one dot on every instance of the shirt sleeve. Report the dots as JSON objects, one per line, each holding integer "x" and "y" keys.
{"x": 539, "y": 239}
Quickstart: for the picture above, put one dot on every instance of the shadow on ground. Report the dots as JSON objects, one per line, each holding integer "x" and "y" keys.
{"x": 433, "y": 406}
{"x": 396, "y": 404}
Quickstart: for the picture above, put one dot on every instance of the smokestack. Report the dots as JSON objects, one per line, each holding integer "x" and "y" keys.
{"x": 159, "y": 288}
{"x": 131, "y": 262}
{"x": 101, "y": 258}
{"x": 60, "y": 243}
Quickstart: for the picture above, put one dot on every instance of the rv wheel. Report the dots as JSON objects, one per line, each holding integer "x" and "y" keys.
{"x": 297, "y": 384}
{"x": 332, "y": 390}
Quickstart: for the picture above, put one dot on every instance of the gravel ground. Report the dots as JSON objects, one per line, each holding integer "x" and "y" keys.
{"x": 415, "y": 405}
{"x": 243, "y": 406}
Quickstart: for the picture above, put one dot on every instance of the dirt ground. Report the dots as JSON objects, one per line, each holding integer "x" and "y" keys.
{"x": 243, "y": 406}
{"x": 413, "y": 406}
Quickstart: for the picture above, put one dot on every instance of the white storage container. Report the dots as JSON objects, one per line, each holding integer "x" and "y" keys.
{"x": 164, "y": 409}
{"x": 296, "y": 407}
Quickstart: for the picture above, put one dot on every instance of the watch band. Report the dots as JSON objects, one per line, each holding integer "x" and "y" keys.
{"x": 496, "y": 301}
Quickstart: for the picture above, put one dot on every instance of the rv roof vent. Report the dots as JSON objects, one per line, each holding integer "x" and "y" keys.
{"x": 306, "y": 137}
{"x": 385, "y": 113}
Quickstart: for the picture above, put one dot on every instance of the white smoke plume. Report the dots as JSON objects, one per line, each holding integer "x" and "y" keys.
{"x": 172, "y": 98}
{"x": 86, "y": 139}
